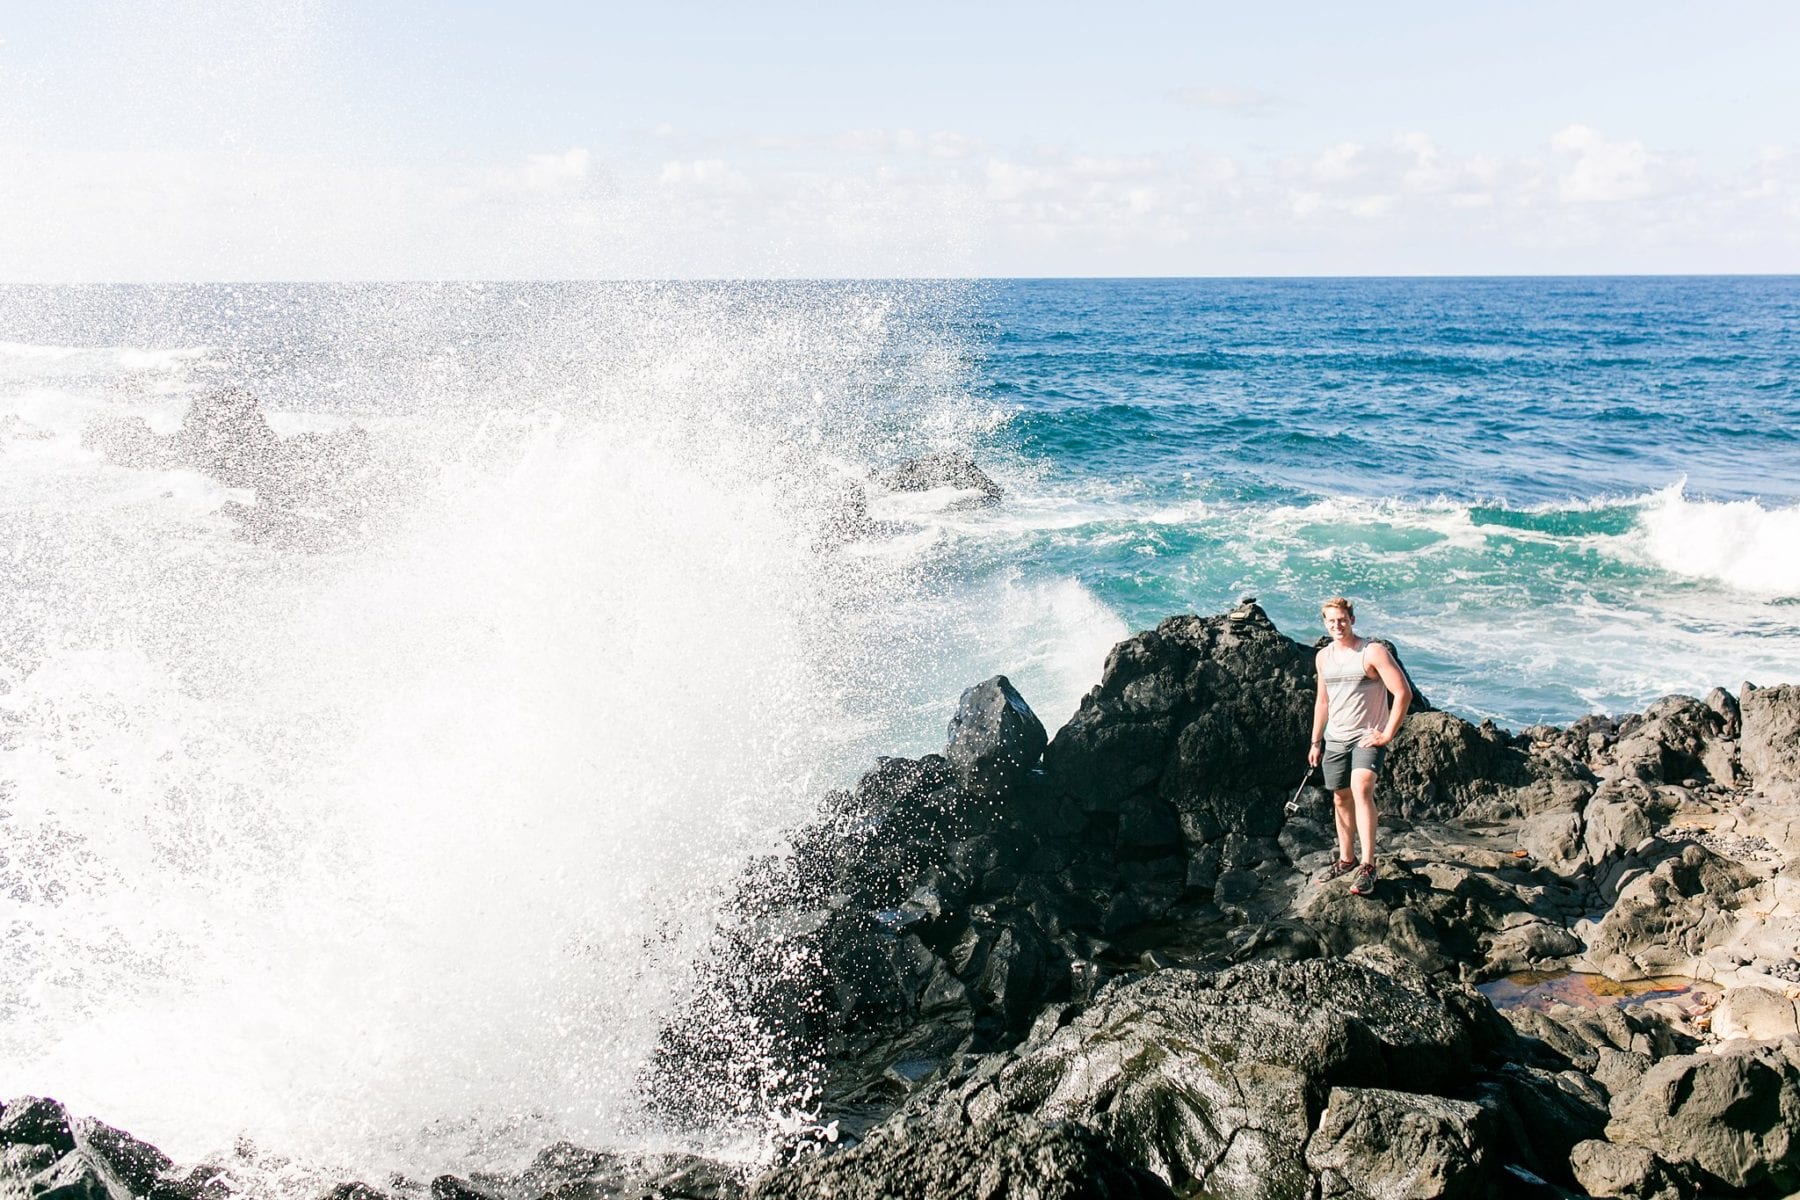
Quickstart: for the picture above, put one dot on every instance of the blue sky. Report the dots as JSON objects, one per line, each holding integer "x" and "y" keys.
{"x": 194, "y": 139}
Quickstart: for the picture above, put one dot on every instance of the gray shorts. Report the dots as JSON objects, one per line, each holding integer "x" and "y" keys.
{"x": 1343, "y": 757}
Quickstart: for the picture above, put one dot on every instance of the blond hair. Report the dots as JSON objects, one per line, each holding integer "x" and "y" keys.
{"x": 1339, "y": 602}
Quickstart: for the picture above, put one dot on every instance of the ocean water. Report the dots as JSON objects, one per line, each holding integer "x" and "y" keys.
{"x": 391, "y": 853}
{"x": 1557, "y": 496}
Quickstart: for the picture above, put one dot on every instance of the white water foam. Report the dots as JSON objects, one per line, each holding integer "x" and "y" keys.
{"x": 1739, "y": 543}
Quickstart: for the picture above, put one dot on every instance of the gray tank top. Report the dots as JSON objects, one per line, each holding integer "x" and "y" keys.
{"x": 1357, "y": 701}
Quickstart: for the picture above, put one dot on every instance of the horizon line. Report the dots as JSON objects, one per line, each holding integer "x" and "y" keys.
{"x": 449, "y": 281}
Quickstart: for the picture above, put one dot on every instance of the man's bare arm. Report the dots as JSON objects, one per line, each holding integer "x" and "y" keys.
{"x": 1394, "y": 680}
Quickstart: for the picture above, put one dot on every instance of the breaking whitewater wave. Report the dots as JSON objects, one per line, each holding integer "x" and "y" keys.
{"x": 1740, "y": 543}
{"x": 394, "y": 858}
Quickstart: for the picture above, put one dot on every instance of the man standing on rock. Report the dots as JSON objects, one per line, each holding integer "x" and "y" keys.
{"x": 1353, "y": 721}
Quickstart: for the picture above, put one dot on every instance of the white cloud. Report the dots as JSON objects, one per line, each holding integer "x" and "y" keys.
{"x": 1097, "y": 166}
{"x": 1338, "y": 163}
{"x": 1409, "y": 204}
{"x": 947, "y": 144}
{"x": 850, "y": 141}
{"x": 1602, "y": 171}
{"x": 1011, "y": 180}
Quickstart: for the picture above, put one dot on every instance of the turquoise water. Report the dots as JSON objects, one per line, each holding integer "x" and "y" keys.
{"x": 1557, "y": 494}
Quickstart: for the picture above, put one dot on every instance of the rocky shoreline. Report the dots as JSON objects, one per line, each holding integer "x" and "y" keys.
{"x": 1097, "y": 965}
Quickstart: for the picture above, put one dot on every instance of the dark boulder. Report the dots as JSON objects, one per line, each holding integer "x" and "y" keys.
{"x": 995, "y": 739}
{"x": 1440, "y": 765}
{"x": 225, "y": 434}
{"x": 1725, "y": 704}
{"x": 568, "y": 1170}
{"x": 1547, "y": 1112}
{"x": 127, "y": 442}
{"x": 43, "y": 1153}
{"x": 1618, "y": 820}
{"x": 1378, "y": 1142}
{"x": 36, "y": 1121}
{"x": 1667, "y": 917}
{"x": 1608, "y": 1169}
{"x": 1677, "y": 738}
{"x": 1207, "y": 714}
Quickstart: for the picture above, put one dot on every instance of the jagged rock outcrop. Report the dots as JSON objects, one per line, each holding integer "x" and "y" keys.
{"x": 1103, "y": 961}
{"x": 1770, "y": 749}
{"x": 942, "y": 905}
{"x": 941, "y": 469}
{"x": 127, "y": 442}
{"x": 565, "y": 1171}
{"x": 1379, "y": 1142}
{"x": 1261, "y": 1080}
{"x": 46, "y": 1153}
{"x": 1728, "y": 1121}
{"x": 1442, "y": 766}
{"x": 943, "y": 901}
{"x": 311, "y": 489}
{"x": 1664, "y": 920}
{"x": 1677, "y": 739}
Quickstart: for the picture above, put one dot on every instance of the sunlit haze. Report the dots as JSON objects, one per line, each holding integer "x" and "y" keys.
{"x": 322, "y": 139}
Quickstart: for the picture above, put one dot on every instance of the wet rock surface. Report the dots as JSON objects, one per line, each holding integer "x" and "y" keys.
{"x": 1102, "y": 962}
{"x": 44, "y": 1152}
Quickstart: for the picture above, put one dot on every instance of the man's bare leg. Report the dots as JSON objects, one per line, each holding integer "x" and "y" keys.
{"x": 1343, "y": 808}
{"x": 1362, "y": 787}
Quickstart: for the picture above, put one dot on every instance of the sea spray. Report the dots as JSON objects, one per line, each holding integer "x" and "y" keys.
{"x": 433, "y": 844}
{"x": 395, "y": 858}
